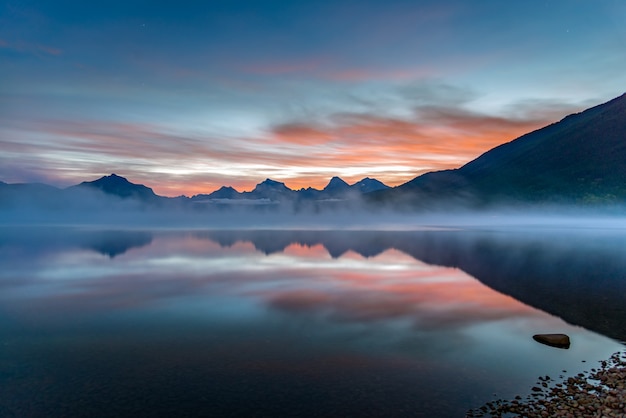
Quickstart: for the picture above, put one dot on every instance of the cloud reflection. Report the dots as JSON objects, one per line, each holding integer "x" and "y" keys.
{"x": 297, "y": 278}
{"x": 423, "y": 279}
{"x": 431, "y": 298}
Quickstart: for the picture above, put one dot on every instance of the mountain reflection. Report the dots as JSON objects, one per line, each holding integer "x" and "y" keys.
{"x": 114, "y": 243}
{"x": 578, "y": 275}
{"x": 325, "y": 323}
{"x": 107, "y": 242}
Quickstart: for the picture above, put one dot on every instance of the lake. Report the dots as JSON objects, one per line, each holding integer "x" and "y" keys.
{"x": 120, "y": 322}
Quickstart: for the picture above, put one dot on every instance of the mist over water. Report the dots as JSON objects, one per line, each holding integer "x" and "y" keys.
{"x": 100, "y": 322}
{"x": 89, "y": 207}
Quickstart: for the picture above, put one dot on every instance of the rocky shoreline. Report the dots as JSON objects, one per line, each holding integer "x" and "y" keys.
{"x": 597, "y": 393}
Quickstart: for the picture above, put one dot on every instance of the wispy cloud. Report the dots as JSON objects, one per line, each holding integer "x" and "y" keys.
{"x": 439, "y": 132}
{"x": 30, "y": 48}
{"x": 434, "y": 138}
{"x": 354, "y": 75}
{"x": 305, "y": 67}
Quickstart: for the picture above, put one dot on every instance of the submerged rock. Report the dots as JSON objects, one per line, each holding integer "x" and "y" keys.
{"x": 553, "y": 340}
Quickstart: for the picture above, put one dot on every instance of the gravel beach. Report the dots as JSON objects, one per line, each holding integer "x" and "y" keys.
{"x": 600, "y": 392}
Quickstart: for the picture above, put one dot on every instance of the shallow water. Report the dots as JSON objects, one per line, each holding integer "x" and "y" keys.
{"x": 297, "y": 323}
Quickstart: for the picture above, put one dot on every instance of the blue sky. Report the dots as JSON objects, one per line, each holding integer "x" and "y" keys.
{"x": 188, "y": 96}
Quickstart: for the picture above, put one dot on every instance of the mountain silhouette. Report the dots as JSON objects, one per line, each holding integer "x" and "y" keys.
{"x": 368, "y": 185}
{"x": 121, "y": 187}
{"x": 580, "y": 159}
{"x": 336, "y": 186}
{"x": 274, "y": 191}
{"x": 270, "y": 191}
{"x": 114, "y": 192}
{"x": 224, "y": 192}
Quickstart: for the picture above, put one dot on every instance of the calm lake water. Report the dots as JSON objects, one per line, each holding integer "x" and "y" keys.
{"x": 297, "y": 323}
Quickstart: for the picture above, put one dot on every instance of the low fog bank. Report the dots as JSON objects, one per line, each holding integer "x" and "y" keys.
{"x": 89, "y": 207}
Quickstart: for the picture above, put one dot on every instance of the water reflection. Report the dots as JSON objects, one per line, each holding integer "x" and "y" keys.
{"x": 315, "y": 323}
{"x": 35, "y": 240}
{"x": 579, "y": 276}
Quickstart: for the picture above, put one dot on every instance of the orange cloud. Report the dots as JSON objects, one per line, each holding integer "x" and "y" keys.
{"x": 436, "y": 139}
{"x": 301, "y": 154}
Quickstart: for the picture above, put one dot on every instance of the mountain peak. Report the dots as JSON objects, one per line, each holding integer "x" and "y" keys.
{"x": 270, "y": 182}
{"x": 113, "y": 178}
{"x": 367, "y": 185}
{"x": 224, "y": 192}
{"x": 336, "y": 183}
{"x": 120, "y": 186}
{"x": 271, "y": 186}
{"x": 227, "y": 188}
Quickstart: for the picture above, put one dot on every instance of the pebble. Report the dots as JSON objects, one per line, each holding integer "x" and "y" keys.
{"x": 597, "y": 393}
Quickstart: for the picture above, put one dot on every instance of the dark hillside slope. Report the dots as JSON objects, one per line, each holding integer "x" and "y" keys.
{"x": 581, "y": 159}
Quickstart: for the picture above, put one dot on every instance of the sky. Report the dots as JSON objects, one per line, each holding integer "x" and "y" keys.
{"x": 188, "y": 96}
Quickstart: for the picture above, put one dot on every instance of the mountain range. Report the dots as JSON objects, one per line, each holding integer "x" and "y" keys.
{"x": 578, "y": 160}
{"x": 274, "y": 191}
{"x": 117, "y": 187}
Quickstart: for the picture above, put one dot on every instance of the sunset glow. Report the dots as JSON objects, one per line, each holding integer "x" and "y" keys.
{"x": 191, "y": 98}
